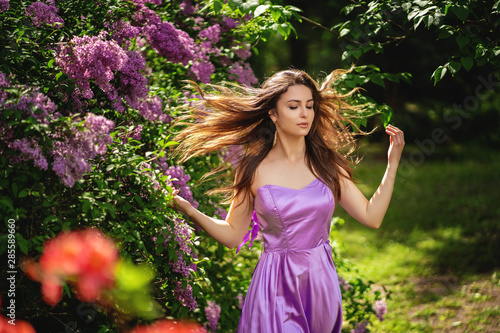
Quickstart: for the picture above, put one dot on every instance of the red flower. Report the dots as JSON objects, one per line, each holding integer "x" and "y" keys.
{"x": 170, "y": 326}
{"x": 86, "y": 259}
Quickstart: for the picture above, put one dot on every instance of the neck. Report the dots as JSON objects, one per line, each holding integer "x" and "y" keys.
{"x": 293, "y": 149}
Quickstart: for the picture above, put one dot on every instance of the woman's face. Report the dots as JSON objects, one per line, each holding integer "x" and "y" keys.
{"x": 295, "y": 112}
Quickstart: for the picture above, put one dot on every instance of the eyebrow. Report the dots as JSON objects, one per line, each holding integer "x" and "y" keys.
{"x": 296, "y": 100}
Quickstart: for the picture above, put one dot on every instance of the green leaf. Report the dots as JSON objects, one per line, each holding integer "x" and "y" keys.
{"x": 445, "y": 31}
{"x": 439, "y": 73}
{"x": 276, "y": 14}
{"x": 467, "y": 62}
{"x": 50, "y": 64}
{"x": 462, "y": 40}
{"x": 260, "y": 10}
{"x": 386, "y": 116}
{"x": 377, "y": 79}
{"x": 58, "y": 75}
{"x": 460, "y": 11}
{"x": 22, "y": 243}
{"x": 454, "y": 66}
{"x": 217, "y": 6}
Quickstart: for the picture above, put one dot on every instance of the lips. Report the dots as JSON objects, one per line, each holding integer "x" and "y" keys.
{"x": 303, "y": 125}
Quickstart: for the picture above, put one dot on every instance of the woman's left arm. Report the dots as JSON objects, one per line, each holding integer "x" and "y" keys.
{"x": 371, "y": 212}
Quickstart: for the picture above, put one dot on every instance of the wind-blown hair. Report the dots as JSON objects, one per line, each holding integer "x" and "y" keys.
{"x": 238, "y": 115}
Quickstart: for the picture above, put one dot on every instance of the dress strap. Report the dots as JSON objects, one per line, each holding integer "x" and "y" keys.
{"x": 252, "y": 233}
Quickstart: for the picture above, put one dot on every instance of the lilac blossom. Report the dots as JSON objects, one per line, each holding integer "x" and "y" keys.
{"x": 152, "y": 110}
{"x": 187, "y": 7}
{"x": 4, "y": 83}
{"x": 360, "y": 327}
{"x": 86, "y": 58}
{"x": 221, "y": 212}
{"x": 133, "y": 85}
{"x": 380, "y": 309}
{"x": 30, "y": 151}
{"x": 229, "y": 23}
{"x": 36, "y": 105}
{"x": 179, "y": 180}
{"x": 344, "y": 284}
{"x": 180, "y": 265}
{"x": 71, "y": 154}
{"x": 43, "y": 13}
{"x": 4, "y": 5}
{"x": 242, "y": 73}
{"x": 212, "y": 312}
{"x": 211, "y": 33}
{"x": 202, "y": 71}
{"x": 142, "y": 2}
{"x": 185, "y": 296}
{"x": 145, "y": 16}
{"x": 183, "y": 234}
{"x": 123, "y": 32}
{"x": 240, "y": 300}
{"x": 242, "y": 51}
{"x": 172, "y": 43}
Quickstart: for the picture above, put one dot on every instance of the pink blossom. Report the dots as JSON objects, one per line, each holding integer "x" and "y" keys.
{"x": 43, "y": 13}
{"x": 212, "y": 311}
{"x": 380, "y": 309}
{"x": 360, "y": 327}
{"x": 242, "y": 51}
{"x": 187, "y": 7}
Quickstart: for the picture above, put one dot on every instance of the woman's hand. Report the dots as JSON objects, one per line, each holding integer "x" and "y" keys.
{"x": 178, "y": 202}
{"x": 397, "y": 144}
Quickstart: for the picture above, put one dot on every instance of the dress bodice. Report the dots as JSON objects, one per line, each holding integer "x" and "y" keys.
{"x": 294, "y": 220}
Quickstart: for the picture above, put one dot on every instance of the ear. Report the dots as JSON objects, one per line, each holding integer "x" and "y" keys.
{"x": 272, "y": 115}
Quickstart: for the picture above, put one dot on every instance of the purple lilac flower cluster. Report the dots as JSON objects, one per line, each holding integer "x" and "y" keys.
{"x": 180, "y": 265}
{"x": 4, "y": 5}
{"x": 240, "y": 300}
{"x": 152, "y": 110}
{"x": 72, "y": 154}
{"x": 380, "y": 309}
{"x": 185, "y": 296}
{"x": 242, "y": 73}
{"x": 44, "y": 13}
{"x": 212, "y": 311}
{"x": 360, "y": 327}
{"x": 172, "y": 43}
{"x": 86, "y": 58}
{"x": 133, "y": 85}
{"x": 30, "y": 151}
{"x": 344, "y": 284}
{"x": 179, "y": 180}
{"x": 183, "y": 234}
{"x": 123, "y": 32}
{"x": 36, "y": 105}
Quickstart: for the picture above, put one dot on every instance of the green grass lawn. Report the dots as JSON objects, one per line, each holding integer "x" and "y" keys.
{"x": 438, "y": 248}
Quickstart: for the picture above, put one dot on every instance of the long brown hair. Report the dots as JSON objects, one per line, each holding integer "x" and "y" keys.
{"x": 238, "y": 115}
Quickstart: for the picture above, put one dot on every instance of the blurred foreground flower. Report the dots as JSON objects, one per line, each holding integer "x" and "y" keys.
{"x": 86, "y": 259}
{"x": 170, "y": 326}
{"x": 14, "y": 325}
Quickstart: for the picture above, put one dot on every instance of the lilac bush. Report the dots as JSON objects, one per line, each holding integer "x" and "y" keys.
{"x": 89, "y": 91}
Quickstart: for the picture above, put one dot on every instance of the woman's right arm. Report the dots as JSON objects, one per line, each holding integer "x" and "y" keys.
{"x": 230, "y": 232}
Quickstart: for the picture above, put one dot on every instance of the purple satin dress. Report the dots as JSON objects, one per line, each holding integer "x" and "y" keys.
{"x": 295, "y": 286}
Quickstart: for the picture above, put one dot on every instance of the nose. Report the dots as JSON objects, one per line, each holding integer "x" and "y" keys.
{"x": 304, "y": 112}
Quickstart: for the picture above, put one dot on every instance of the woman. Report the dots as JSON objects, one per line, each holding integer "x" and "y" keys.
{"x": 291, "y": 174}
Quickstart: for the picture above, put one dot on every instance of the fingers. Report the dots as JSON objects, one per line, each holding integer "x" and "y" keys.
{"x": 397, "y": 135}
